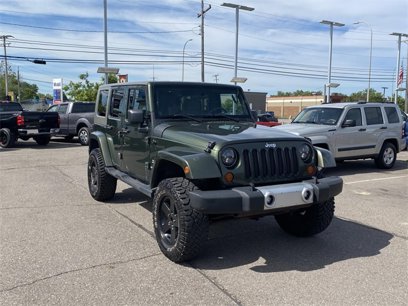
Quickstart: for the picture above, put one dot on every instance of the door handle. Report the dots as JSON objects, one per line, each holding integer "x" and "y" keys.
{"x": 383, "y": 128}
{"x": 361, "y": 130}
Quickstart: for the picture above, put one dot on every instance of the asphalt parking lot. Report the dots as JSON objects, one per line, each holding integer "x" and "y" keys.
{"x": 59, "y": 246}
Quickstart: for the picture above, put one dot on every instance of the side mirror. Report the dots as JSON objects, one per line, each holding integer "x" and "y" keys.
{"x": 135, "y": 116}
{"x": 254, "y": 115}
{"x": 349, "y": 123}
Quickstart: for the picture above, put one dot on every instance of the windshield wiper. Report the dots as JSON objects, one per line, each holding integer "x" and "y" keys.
{"x": 226, "y": 117}
{"x": 187, "y": 117}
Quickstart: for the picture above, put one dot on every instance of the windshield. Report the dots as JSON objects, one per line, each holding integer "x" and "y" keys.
{"x": 197, "y": 101}
{"x": 322, "y": 115}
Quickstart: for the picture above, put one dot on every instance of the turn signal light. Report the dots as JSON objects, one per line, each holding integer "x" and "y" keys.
{"x": 229, "y": 177}
{"x": 186, "y": 170}
{"x": 311, "y": 170}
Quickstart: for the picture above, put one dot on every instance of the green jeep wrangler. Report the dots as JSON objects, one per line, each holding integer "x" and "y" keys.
{"x": 195, "y": 149}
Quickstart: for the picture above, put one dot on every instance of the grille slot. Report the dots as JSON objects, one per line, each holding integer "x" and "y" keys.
{"x": 270, "y": 162}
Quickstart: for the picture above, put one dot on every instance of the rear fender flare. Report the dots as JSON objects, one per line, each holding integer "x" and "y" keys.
{"x": 98, "y": 140}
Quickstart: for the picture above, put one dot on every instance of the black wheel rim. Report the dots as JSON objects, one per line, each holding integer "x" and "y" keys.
{"x": 3, "y": 138}
{"x": 169, "y": 222}
{"x": 93, "y": 183}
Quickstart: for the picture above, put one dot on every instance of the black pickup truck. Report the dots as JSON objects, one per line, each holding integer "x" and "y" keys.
{"x": 17, "y": 123}
{"x": 77, "y": 119}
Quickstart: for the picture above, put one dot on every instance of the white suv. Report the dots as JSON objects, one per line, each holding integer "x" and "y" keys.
{"x": 353, "y": 130}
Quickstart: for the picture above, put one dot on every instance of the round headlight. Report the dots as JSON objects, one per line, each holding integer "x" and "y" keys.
{"x": 306, "y": 153}
{"x": 229, "y": 157}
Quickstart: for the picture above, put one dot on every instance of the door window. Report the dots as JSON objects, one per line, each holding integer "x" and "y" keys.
{"x": 354, "y": 114}
{"x": 118, "y": 102}
{"x": 373, "y": 115}
{"x": 103, "y": 102}
{"x": 392, "y": 114}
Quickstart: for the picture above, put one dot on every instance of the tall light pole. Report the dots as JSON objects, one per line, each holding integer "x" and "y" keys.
{"x": 202, "y": 36}
{"x": 371, "y": 56}
{"x": 331, "y": 24}
{"x": 105, "y": 36}
{"x": 184, "y": 48}
{"x": 384, "y": 88}
{"x": 237, "y": 7}
{"x": 4, "y": 37}
{"x": 398, "y": 63}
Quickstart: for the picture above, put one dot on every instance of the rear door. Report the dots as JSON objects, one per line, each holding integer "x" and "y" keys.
{"x": 375, "y": 128}
{"x": 115, "y": 118}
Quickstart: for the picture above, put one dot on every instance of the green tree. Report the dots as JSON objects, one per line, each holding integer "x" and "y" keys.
{"x": 375, "y": 96}
{"x": 298, "y": 93}
{"x": 84, "y": 90}
{"x": 27, "y": 91}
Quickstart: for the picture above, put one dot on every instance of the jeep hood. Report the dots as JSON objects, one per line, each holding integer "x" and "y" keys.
{"x": 304, "y": 129}
{"x": 199, "y": 134}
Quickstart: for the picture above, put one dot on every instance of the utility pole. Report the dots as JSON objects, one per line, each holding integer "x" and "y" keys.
{"x": 105, "y": 36}
{"x": 202, "y": 36}
{"x": 398, "y": 63}
{"x": 216, "y": 77}
{"x": 18, "y": 84}
{"x": 4, "y": 37}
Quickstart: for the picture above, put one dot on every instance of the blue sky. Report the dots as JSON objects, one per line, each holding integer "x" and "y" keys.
{"x": 282, "y": 45}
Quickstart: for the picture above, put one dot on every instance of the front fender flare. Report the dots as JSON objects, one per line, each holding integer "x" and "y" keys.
{"x": 325, "y": 158}
{"x": 200, "y": 165}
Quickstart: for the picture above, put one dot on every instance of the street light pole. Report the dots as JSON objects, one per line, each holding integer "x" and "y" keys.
{"x": 384, "y": 88}
{"x": 4, "y": 37}
{"x": 331, "y": 24}
{"x": 182, "y": 73}
{"x": 105, "y": 36}
{"x": 398, "y": 63}
{"x": 371, "y": 56}
{"x": 237, "y": 8}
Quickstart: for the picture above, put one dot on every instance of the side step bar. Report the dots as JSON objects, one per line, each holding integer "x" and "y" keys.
{"x": 143, "y": 188}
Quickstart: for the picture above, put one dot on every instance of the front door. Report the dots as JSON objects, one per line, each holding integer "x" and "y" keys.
{"x": 135, "y": 137}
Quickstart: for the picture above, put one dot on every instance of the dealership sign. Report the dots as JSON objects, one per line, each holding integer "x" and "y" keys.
{"x": 57, "y": 91}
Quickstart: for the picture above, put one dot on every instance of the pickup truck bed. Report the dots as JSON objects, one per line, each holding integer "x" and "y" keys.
{"x": 17, "y": 123}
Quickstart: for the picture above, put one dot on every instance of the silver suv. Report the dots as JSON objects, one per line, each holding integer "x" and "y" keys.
{"x": 353, "y": 130}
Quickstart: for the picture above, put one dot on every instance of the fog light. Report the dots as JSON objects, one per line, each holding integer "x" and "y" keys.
{"x": 229, "y": 177}
{"x": 270, "y": 199}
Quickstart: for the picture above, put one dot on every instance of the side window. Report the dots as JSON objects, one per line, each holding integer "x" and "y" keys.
{"x": 53, "y": 108}
{"x": 62, "y": 109}
{"x": 102, "y": 102}
{"x": 137, "y": 99}
{"x": 118, "y": 102}
{"x": 373, "y": 115}
{"x": 354, "y": 114}
{"x": 392, "y": 114}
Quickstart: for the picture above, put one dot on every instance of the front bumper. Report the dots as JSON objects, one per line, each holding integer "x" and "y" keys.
{"x": 266, "y": 198}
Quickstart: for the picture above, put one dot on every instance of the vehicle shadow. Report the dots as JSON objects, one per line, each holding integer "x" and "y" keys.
{"x": 363, "y": 166}
{"x": 241, "y": 242}
{"x": 31, "y": 144}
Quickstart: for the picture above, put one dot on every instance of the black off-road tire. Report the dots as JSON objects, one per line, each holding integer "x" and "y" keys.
{"x": 83, "y": 136}
{"x": 307, "y": 222}
{"x": 42, "y": 140}
{"x": 102, "y": 186}
{"x": 7, "y": 138}
{"x": 180, "y": 230}
{"x": 387, "y": 157}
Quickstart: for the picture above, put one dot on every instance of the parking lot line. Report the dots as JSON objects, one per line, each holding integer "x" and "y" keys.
{"x": 376, "y": 179}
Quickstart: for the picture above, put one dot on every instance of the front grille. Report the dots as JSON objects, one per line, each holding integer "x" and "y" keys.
{"x": 270, "y": 162}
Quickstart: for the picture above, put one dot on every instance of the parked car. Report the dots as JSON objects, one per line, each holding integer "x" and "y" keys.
{"x": 353, "y": 130}
{"x": 17, "y": 123}
{"x": 76, "y": 120}
{"x": 195, "y": 150}
{"x": 267, "y": 119}
{"x": 405, "y": 128}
